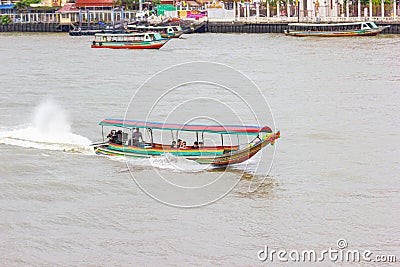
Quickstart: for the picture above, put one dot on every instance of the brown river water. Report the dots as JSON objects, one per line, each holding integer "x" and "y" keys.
{"x": 335, "y": 173}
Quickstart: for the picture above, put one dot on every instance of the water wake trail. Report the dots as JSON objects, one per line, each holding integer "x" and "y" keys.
{"x": 49, "y": 130}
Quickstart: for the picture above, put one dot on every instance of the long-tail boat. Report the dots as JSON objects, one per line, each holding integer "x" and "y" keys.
{"x": 148, "y": 40}
{"x": 122, "y": 143}
{"x": 364, "y": 28}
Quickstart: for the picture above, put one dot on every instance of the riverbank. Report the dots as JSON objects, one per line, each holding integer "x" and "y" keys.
{"x": 213, "y": 27}
{"x": 35, "y": 27}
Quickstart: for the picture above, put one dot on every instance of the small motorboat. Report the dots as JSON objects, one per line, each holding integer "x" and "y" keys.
{"x": 148, "y": 40}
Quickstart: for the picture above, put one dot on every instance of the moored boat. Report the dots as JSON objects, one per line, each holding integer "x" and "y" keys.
{"x": 365, "y": 28}
{"x": 148, "y": 40}
{"x": 122, "y": 143}
{"x": 164, "y": 31}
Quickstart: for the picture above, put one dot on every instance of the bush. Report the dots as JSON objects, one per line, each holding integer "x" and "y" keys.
{"x": 5, "y": 20}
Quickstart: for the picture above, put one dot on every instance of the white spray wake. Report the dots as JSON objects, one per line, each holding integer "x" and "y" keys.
{"x": 177, "y": 164}
{"x": 50, "y": 130}
{"x": 164, "y": 162}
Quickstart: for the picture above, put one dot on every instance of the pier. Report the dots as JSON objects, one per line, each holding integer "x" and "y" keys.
{"x": 269, "y": 27}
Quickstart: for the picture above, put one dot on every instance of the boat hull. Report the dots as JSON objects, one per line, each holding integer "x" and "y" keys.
{"x": 217, "y": 156}
{"x": 129, "y": 45}
{"x": 353, "y": 33}
{"x": 171, "y": 35}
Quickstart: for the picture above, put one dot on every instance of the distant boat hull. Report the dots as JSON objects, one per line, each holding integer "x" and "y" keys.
{"x": 332, "y": 34}
{"x": 171, "y": 35}
{"x": 129, "y": 45}
{"x": 334, "y": 30}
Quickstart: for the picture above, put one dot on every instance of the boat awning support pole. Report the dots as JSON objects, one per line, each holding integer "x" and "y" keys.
{"x": 172, "y": 135}
{"x": 102, "y": 132}
{"x": 80, "y": 18}
{"x": 197, "y": 137}
{"x": 202, "y": 137}
{"x": 222, "y": 139}
{"x": 237, "y": 136}
{"x": 151, "y": 136}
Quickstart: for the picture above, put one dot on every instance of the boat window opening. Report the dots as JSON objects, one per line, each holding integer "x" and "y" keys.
{"x": 157, "y": 36}
{"x": 373, "y": 25}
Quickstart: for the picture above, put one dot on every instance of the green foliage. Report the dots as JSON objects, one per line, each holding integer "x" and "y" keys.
{"x": 26, "y": 3}
{"x": 128, "y": 4}
{"x": 271, "y": 2}
{"x": 374, "y": 2}
{"x": 5, "y": 20}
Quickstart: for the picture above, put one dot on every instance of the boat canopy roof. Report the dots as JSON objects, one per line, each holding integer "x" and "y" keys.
{"x": 220, "y": 129}
{"x": 327, "y": 24}
{"x": 124, "y": 34}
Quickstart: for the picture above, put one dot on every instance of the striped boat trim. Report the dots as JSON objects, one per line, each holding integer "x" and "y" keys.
{"x": 191, "y": 154}
{"x": 160, "y": 151}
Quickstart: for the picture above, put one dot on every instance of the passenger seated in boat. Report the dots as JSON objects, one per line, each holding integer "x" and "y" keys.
{"x": 173, "y": 145}
{"x": 195, "y": 145}
{"x": 201, "y": 145}
{"x": 179, "y": 144}
{"x": 119, "y": 137}
{"x": 125, "y": 138}
{"x": 136, "y": 136}
{"x": 183, "y": 144}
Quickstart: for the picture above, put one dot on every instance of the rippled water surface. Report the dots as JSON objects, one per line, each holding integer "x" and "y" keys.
{"x": 335, "y": 174}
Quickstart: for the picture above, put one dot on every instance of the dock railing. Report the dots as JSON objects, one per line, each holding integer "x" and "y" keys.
{"x": 72, "y": 17}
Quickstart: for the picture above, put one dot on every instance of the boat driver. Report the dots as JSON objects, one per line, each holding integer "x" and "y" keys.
{"x": 112, "y": 136}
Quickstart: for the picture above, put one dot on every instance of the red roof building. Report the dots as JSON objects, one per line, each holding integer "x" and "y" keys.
{"x": 94, "y": 3}
{"x": 67, "y": 8}
{"x": 168, "y": 2}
